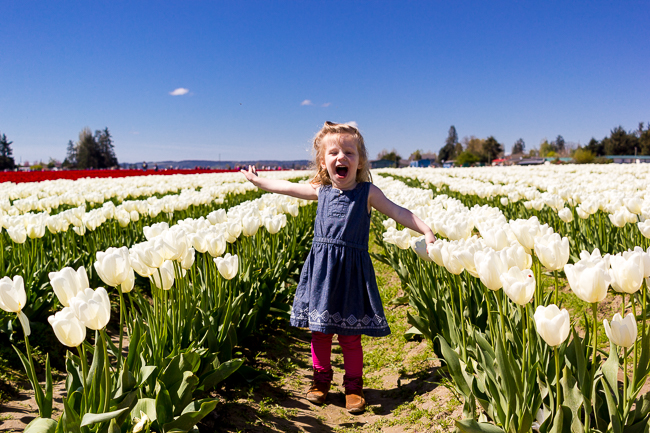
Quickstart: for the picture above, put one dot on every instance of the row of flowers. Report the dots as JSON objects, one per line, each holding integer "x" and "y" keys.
{"x": 200, "y": 310}
{"x": 513, "y": 256}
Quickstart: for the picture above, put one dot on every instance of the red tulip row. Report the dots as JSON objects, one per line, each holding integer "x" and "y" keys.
{"x": 39, "y": 176}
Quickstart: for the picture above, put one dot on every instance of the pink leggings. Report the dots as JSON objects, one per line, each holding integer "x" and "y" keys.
{"x": 321, "y": 350}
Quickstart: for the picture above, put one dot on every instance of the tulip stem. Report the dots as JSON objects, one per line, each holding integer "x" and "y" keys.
{"x": 462, "y": 317}
{"x": 636, "y": 340}
{"x": 557, "y": 381}
{"x": 625, "y": 380}
{"x": 32, "y": 374}
{"x": 122, "y": 312}
{"x": 84, "y": 369}
{"x": 556, "y": 285}
{"x": 594, "y": 310}
{"x": 523, "y": 347}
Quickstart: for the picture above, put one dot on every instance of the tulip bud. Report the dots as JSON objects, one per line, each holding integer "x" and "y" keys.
{"x": 552, "y": 324}
{"x": 623, "y": 332}
{"x": 250, "y": 225}
{"x": 67, "y": 328}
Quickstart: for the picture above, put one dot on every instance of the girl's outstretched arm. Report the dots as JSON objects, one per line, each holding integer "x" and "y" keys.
{"x": 405, "y": 217}
{"x": 305, "y": 191}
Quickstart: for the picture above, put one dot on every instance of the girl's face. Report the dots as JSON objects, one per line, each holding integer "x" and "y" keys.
{"x": 341, "y": 160}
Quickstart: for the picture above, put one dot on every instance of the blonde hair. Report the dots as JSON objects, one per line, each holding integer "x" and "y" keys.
{"x": 322, "y": 177}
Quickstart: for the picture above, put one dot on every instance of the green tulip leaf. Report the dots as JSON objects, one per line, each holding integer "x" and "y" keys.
{"x": 188, "y": 419}
{"x": 164, "y": 407}
{"x": 453, "y": 363}
{"x": 572, "y": 399}
{"x": 94, "y": 418}
{"x": 114, "y": 427}
{"x": 71, "y": 421}
{"x": 220, "y": 374}
{"x": 471, "y": 426}
{"x": 147, "y": 406}
{"x": 41, "y": 425}
{"x": 147, "y": 375}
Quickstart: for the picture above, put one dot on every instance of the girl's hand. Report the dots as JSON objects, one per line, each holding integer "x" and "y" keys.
{"x": 429, "y": 237}
{"x": 251, "y": 173}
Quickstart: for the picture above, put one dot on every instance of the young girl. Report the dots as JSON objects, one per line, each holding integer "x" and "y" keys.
{"x": 338, "y": 293}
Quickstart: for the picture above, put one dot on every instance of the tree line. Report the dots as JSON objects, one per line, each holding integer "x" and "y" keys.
{"x": 471, "y": 150}
{"x": 90, "y": 151}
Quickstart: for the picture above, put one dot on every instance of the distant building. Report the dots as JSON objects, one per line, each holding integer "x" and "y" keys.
{"x": 382, "y": 163}
{"x": 628, "y": 159}
{"x": 420, "y": 163}
{"x": 531, "y": 161}
{"x": 448, "y": 164}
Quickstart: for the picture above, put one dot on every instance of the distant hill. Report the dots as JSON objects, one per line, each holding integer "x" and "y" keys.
{"x": 193, "y": 163}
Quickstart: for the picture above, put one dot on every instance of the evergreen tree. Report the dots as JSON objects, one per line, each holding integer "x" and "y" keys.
{"x": 596, "y": 147}
{"x": 88, "y": 152}
{"x": 491, "y": 149}
{"x": 70, "y": 160}
{"x": 106, "y": 148}
{"x": 6, "y": 158}
{"x": 452, "y": 136}
{"x": 620, "y": 142}
{"x": 518, "y": 147}
{"x": 446, "y": 152}
{"x": 450, "y": 150}
{"x": 559, "y": 144}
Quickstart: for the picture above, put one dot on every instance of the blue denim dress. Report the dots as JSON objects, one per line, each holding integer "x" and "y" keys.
{"x": 337, "y": 292}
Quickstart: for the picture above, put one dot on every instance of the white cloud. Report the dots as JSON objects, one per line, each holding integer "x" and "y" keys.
{"x": 306, "y": 102}
{"x": 327, "y": 104}
{"x": 179, "y": 91}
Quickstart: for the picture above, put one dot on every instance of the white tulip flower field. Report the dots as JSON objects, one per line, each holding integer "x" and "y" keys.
{"x": 188, "y": 266}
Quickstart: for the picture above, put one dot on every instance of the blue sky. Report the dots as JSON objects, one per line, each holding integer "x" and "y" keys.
{"x": 404, "y": 71}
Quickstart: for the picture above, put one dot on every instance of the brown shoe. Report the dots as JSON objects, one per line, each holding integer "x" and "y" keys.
{"x": 320, "y": 386}
{"x": 355, "y": 401}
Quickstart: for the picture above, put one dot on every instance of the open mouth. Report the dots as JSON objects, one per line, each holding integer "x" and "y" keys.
{"x": 342, "y": 171}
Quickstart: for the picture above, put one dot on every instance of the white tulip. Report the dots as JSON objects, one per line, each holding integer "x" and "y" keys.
{"x": 155, "y": 230}
{"x": 552, "y": 324}
{"x": 644, "y": 228}
{"x": 92, "y": 308}
{"x": 627, "y": 272}
{"x": 163, "y": 277}
{"x": 516, "y": 255}
{"x": 434, "y": 251}
{"x": 216, "y": 245}
{"x": 68, "y": 282}
{"x": 67, "y": 328}
{"x": 113, "y": 265}
{"x": 552, "y": 251}
{"x": 518, "y": 285}
{"x": 227, "y": 265}
{"x": 565, "y": 215}
{"x": 589, "y": 279}
{"x": 419, "y": 246}
{"x": 489, "y": 267}
{"x": 623, "y": 332}
{"x": 128, "y": 284}
{"x": 250, "y": 225}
